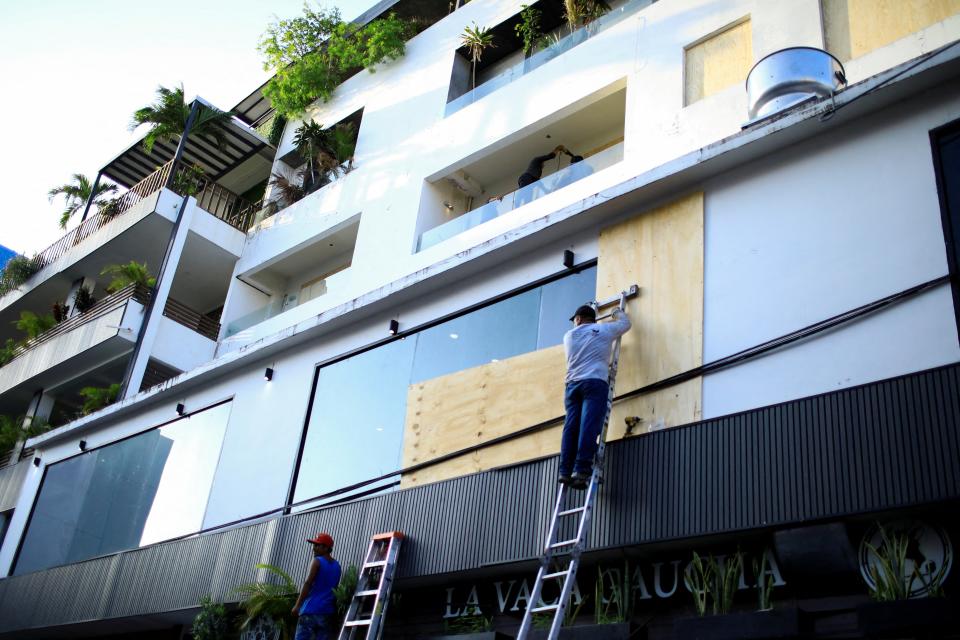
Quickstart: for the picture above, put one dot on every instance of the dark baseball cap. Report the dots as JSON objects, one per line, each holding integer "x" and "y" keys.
{"x": 584, "y": 311}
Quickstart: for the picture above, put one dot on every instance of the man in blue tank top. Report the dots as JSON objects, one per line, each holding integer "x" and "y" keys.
{"x": 316, "y": 606}
{"x": 587, "y": 346}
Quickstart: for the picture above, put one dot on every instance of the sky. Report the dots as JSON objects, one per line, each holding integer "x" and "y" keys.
{"x": 74, "y": 72}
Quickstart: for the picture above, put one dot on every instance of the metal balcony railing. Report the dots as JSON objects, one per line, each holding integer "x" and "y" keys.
{"x": 117, "y": 299}
{"x": 182, "y": 314}
{"x": 211, "y": 197}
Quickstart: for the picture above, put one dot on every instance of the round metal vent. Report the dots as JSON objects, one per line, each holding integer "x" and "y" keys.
{"x": 790, "y": 76}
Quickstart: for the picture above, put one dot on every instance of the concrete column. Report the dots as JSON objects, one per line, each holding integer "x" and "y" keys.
{"x": 161, "y": 294}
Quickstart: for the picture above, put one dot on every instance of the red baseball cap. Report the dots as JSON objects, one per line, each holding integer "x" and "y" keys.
{"x": 322, "y": 538}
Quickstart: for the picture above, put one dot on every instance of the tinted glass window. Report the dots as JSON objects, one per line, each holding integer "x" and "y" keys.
{"x": 148, "y": 488}
{"x": 364, "y": 398}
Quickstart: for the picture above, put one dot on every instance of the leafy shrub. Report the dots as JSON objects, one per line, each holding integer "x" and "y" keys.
{"x": 83, "y": 299}
{"x": 12, "y": 431}
{"x": 8, "y": 351}
{"x": 17, "y": 271}
{"x": 212, "y": 622}
{"x": 271, "y": 600}
{"x": 96, "y": 398}
{"x": 34, "y": 325}
{"x": 313, "y": 53}
{"x": 126, "y": 274}
{"x": 61, "y": 311}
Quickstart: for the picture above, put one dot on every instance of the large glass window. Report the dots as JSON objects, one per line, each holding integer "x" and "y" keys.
{"x": 147, "y": 488}
{"x": 355, "y": 431}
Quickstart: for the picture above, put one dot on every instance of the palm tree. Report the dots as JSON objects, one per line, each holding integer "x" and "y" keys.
{"x": 169, "y": 115}
{"x": 75, "y": 195}
{"x": 476, "y": 40}
{"x": 126, "y": 274}
{"x": 271, "y": 600}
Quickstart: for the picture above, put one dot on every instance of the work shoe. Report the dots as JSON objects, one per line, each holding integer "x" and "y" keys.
{"x": 564, "y": 480}
{"x": 579, "y": 480}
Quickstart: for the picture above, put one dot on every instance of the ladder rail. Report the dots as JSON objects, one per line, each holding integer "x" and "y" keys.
{"x": 586, "y": 511}
{"x": 379, "y": 564}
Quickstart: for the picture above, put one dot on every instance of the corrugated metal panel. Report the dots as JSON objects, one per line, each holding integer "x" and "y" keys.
{"x": 861, "y": 450}
{"x": 11, "y": 479}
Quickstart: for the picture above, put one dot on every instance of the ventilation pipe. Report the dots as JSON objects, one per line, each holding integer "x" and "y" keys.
{"x": 785, "y": 78}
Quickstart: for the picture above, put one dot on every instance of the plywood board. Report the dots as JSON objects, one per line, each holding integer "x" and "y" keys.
{"x": 662, "y": 252}
{"x": 852, "y": 28}
{"x": 717, "y": 62}
{"x": 469, "y": 407}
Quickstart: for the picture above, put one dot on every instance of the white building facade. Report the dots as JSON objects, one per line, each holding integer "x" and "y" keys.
{"x": 388, "y": 353}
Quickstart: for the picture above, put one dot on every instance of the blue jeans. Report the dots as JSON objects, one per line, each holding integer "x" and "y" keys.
{"x": 314, "y": 626}
{"x": 586, "y": 404}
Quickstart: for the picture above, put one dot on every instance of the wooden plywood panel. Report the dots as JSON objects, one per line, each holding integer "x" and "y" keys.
{"x": 717, "y": 62}
{"x": 662, "y": 251}
{"x": 853, "y": 28}
{"x": 467, "y": 408}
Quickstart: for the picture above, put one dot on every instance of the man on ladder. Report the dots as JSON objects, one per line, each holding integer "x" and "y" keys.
{"x": 588, "y": 346}
{"x": 593, "y": 354}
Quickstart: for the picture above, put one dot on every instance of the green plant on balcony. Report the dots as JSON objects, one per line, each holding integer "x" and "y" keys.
{"x": 272, "y": 129}
{"x": 60, "y": 311}
{"x": 96, "y": 398}
{"x": 126, "y": 274}
{"x": 476, "y": 40}
{"x": 189, "y": 180}
{"x": 33, "y": 325}
{"x": 288, "y": 190}
{"x": 76, "y": 193}
{"x": 83, "y": 299}
{"x": 168, "y": 116}
{"x": 326, "y": 151}
{"x": 528, "y": 29}
{"x": 270, "y": 600}
{"x": 310, "y": 55}
{"x": 8, "y": 351}
{"x": 212, "y": 622}
{"x": 581, "y": 12}
{"x": 17, "y": 271}
{"x": 12, "y": 430}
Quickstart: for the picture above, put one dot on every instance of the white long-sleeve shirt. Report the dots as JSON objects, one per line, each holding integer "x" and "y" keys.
{"x": 588, "y": 347}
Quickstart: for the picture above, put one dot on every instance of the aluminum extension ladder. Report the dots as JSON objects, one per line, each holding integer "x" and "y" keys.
{"x": 556, "y": 549}
{"x": 368, "y": 607}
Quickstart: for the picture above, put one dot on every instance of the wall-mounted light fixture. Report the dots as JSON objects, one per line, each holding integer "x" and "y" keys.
{"x": 394, "y": 327}
{"x": 568, "y": 259}
{"x": 36, "y": 462}
{"x": 181, "y": 409}
{"x": 83, "y": 446}
{"x": 268, "y": 374}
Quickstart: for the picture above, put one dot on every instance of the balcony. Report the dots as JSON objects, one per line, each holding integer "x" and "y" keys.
{"x": 521, "y": 68}
{"x": 484, "y": 187}
{"x": 507, "y": 203}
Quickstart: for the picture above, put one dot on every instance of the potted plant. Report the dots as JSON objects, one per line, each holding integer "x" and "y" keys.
{"x": 713, "y": 585}
{"x": 124, "y": 275}
{"x": 96, "y": 398}
{"x": 267, "y": 605}
{"x": 476, "y": 39}
{"x": 212, "y": 622}
{"x": 16, "y": 272}
{"x": 907, "y": 596}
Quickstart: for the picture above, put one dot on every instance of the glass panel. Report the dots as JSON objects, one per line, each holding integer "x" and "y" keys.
{"x": 505, "y": 329}
{"x": 560, "y": 300}
{"x": 364, "y": 398}
{"x": 148, "y": 488}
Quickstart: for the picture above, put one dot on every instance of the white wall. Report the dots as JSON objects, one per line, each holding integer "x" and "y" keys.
{"x": 405, "y": 139}
{"x": 827, "y": 226}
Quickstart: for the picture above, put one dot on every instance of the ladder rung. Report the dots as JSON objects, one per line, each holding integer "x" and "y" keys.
{"x": 556, "y": 575}
{"x": 546, "y": 607}
{"x": 364, "y": 594}
{"x": 376, "y": 563}
{"x": 565, "y": 543}
{"x": 569, "y": 511}
{"x": 357, "y": 623}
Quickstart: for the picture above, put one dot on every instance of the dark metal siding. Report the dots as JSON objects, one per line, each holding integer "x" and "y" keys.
{"x": 881, "y": 446}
